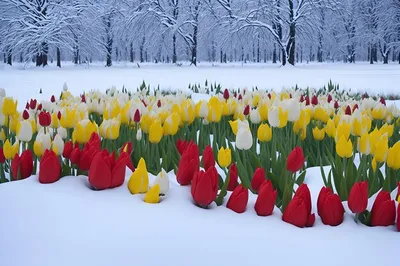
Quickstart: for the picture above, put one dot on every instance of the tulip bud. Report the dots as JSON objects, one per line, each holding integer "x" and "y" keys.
{"x": 301, "y": 98}
{"x": 27, "y": 105}
{"x": 45, "y": 119}
{"x": 163, "y": 181}
{"x": 58, "y": 145}
{"x": 158, "y": 103}
{"x": 25, "y": 115}
{"x": 25, "y": 131}
{"x": 240, "y": 97}
{"x": 59, "y": 115}
{"x": 53, "y": 99}
{"x": 226, "y": 94}
{"x": 382, "y": 101}
{"x": 336, "y": 105}
{"x": 255, "y": 117}
{"x": 83, "y": 98}
{"x": 329, "y": 98}
{"x": 246, "y": 110}
{"x": 244, "y": 139}
{"x": 136, "y": 117}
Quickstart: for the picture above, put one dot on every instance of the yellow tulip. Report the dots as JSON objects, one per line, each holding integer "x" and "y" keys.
{"x": 387, "y": 129}
{"x": 171, "y": 124}
{"x": 225, "y": 108}
{"x": 391, "y": 159}
{"x": 264, "y": 133}
{"x": 303, "y": 133}
{"x": 83, "y": 131}
{"x": 321, "y": 114}
{"x": 163, "y": 116}
{"x": 112, "y": 129}
{"x": 263, "y": 110}
{"x": 156, "y": 131}
{"x": 9, "y": 106}
{"x": 234, "y": 126}
{"x": 146, "y": 123}
{"x": 330, "y": 128}
{"x": 318, "y": 134}
{"x": 224, "y": 157}
{"x": 344, "y": 148}
{"x": 55, "y": 123}
{"x": 2, "y": 135}
{"x": 283, "y": 117}
{"x": 38, "y": 148}
{"x": 256, "y": 100}
{"x": 373, "y": 164}
{"x": 8, "y": 150}
{"x": 381, "y": 149}
{"x": 214, "y": 110}
{"x": 125, "y": 118}
{"x": 68, "y": 118}
{"x": 188, "y": 112}
{"x": 379, "y": 111}
{"x": 14, "y": 120}
{"x": 364, "y": 146}
{"x": 139, "y": 180}
{"x": 153, "y": 195}
{"x": 343, "y": 130}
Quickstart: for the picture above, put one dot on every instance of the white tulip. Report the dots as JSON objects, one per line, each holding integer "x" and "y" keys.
{"x": 25, "y": 131}
{"x": 44, "y": 139}
{"x": 65, "y": 87}
{"x": 2, "y": 119}
{"x": 139, "y": 135}
{"x": 243, "y": 124}
{"x": 162, "y": 180}
{"x": 273, "y": 117}
{"x": 62, "y": 132}
{"x": 255, "y": 116}
{"x": 293, "y": 108}
{"x": 244, "y": 139}
{"x": 58, "y": 145}
{"x": 2, "y": 93}
{"x": 203, "y": 109}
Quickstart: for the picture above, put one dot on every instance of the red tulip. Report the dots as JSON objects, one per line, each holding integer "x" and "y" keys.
{"x": 2, "y": 157}
{"x": 314, "y": 100}
{"x": 336, "y": 105}
{"x": 94, "y": 141}
{"x": 233, "y": 177}
{"x": 75, "y": 156}
{"x": 158, "y": 103}
{"x": 295, "y": 160}
{"x": 53, "y": 99}
{"x": 86, "y": 157}
{"x": 50, "y": 168}
{"x": 83, "y": 98}
{"x": 32, "y": 104}
{"x": 329, "y": 98}
{"x": 27, "y": 105}
{"x": 296, "y": 213}
{"x": 310, "y": 220}
{"x": 348, "y": 110}
{"x": 355, "y": 107}
{"x": 323, "y": 194}
{"x": 59, "y": 115}
{"x": 384, "y": 214}
{"x": 258, "y": 179}
{"x": 382, "y": 101}
{"x": 332, "y": 211}
{"x": 238, "y": 200}
{"x": 181, "y": 146}
{"x": 68, "y": 147}
{"x": 136, "y": 117}
{"x": 128, "y": 149}
{"x": 383, "y": 211}
{"x": 304, "y": 192}
{"x": 105, "y": 172}
{"x": 208, "y": 158}
{"x": 398, "y": 218}
{"x": 22, "y": 165}
{"x": 246, "y": 110}
{"x": 307, "y": 99}
{"x": 44, "y": 119}
{"x": 25, "y": 115}
{"x": 240, "y": 97}
{"x": 266, "y": 199}
{"x": 205, "y": 187}
{"x": 40, "y": 106}
{"x": 301, "y": 99}
{"x": 269, "y": 96}
{"x": 188, "y": 165}
{"x": 358, "y": 197}
{"x": 226, "y": 94}
{"x": 235, "y": 94}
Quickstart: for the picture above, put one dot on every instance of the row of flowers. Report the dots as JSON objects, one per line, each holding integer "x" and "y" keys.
{"x": 260, "y": 130}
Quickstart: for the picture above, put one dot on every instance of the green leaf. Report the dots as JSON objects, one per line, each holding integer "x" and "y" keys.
{"x": 287, "y": 195}
{"x": 300, "y": 179}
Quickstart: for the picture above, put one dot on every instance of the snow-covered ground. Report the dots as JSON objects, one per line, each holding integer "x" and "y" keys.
{"x": 25, "y": 82}
{"x": 66, "y": 223}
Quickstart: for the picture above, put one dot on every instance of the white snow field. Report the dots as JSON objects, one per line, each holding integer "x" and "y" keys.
{"x": 67, "y": 224}
{"x": 25, "y": 82}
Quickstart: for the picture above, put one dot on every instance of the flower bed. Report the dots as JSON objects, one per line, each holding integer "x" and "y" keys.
{"x": 242, "y": 141}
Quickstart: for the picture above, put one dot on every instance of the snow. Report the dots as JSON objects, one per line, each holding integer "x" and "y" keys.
{"x": 66, "y": 223}
{"x": 26, "y": 82}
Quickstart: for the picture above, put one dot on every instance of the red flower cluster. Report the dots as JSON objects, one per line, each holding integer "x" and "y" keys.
{"x": 298, "y": 211}
{"x": 330, "y": 207}
{"x": 266, "y": 199}
{"x": 208, "y": 158}
{"x": 22, "y": 166}
{"x": 238, "y": 200}
{"x": 44, "y": 119}
{"x": 295, "y": 160}
{"x": 383, "y": 211}
{"x": 188, "y": 165}
{"x": 205, "y": 186}
{"x": 50, "y": 168}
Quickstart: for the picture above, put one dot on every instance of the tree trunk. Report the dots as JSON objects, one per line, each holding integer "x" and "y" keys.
{"x": 194, "y": 46}
{"x": 283, "y": 57}
{"x": 58, "y": 57}
{"x": 371, "y": 56}
{"x": 174, "y": 56}
{"x": 274, "y": 55}
{"x": 258, "y": 50}
{"x": 4, "y": 58}
{"x": 76, "y": 51}
{"x": 131, "y": 57}
{"x": 141, "y": 50}
{"x": 291, "y": 46}
{"x": 221, "y": 56}
{"x": 21, "y": 57}
{"x": 386, "y": 59}
{"x": 9, "y": 57}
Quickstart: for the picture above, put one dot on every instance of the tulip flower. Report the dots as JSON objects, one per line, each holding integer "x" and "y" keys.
{"x": 233, "y": 177}
{"x": 156, "y": 132}
{"x": 205, "y": 187}
{"x": 363, "y": 144}
{"x": 139, "y": 135}
{"x": 139, "y": 180}
{"x": 344, "y": 148}
{"x": 226, "y": 94}
{"x": 105, "y": 172}
{"x": 208, "y": 158}
{"x": 378, "y": 112}
{"x": 163, "y": 181}
{"x": 58, "y": 145}
{"x": 9, "y": 106}
{"x": 266, "y": 199}
{"x": 86, "y": 157}
{"x": 383, "y": 211}
{"x": 295, "y": 160}
{"x": 224, "y": 157}
{"x": 181, "y": 146}
{"x": 296, "y": 213}
{"x": 50, "y": 168}
{"x": 68, "y": 147}
{"x": 25, "y": 115}
{"x": 398, "y": 218}
{"x": 381, "y": 149}
{"x": 238, "y": 200}
{"x": 330, "y": 207}
{"x": 304, "y": 192}
{"x": 10, "y": 150}
{"x": 75, "y": 157}
{"x": 171, "y": 124}
{"x": 32, "y": 104}
{"x": 264, "y": 133}
{"x": 314, "y": 100}
{"x": 136, "y": 117}
{"x": 22, "y": 166}
{"x": 153, "y": 195}
{"x": 44, "y": 119}
{"x": 2, "y": 157}
{"x": 188, "y": 165}
{"x": 277, "y": 117}
{"x": 55, "y": 122}
{"x": 244, "y": 139}
{"x": 214, "y": 110}
{"x": 358, "y": 197}
{"x": 24, "y": 131}
{"x": 318, "y": 134}
{"x": 330, "y": 128}
{"x": 258, "y": 179}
